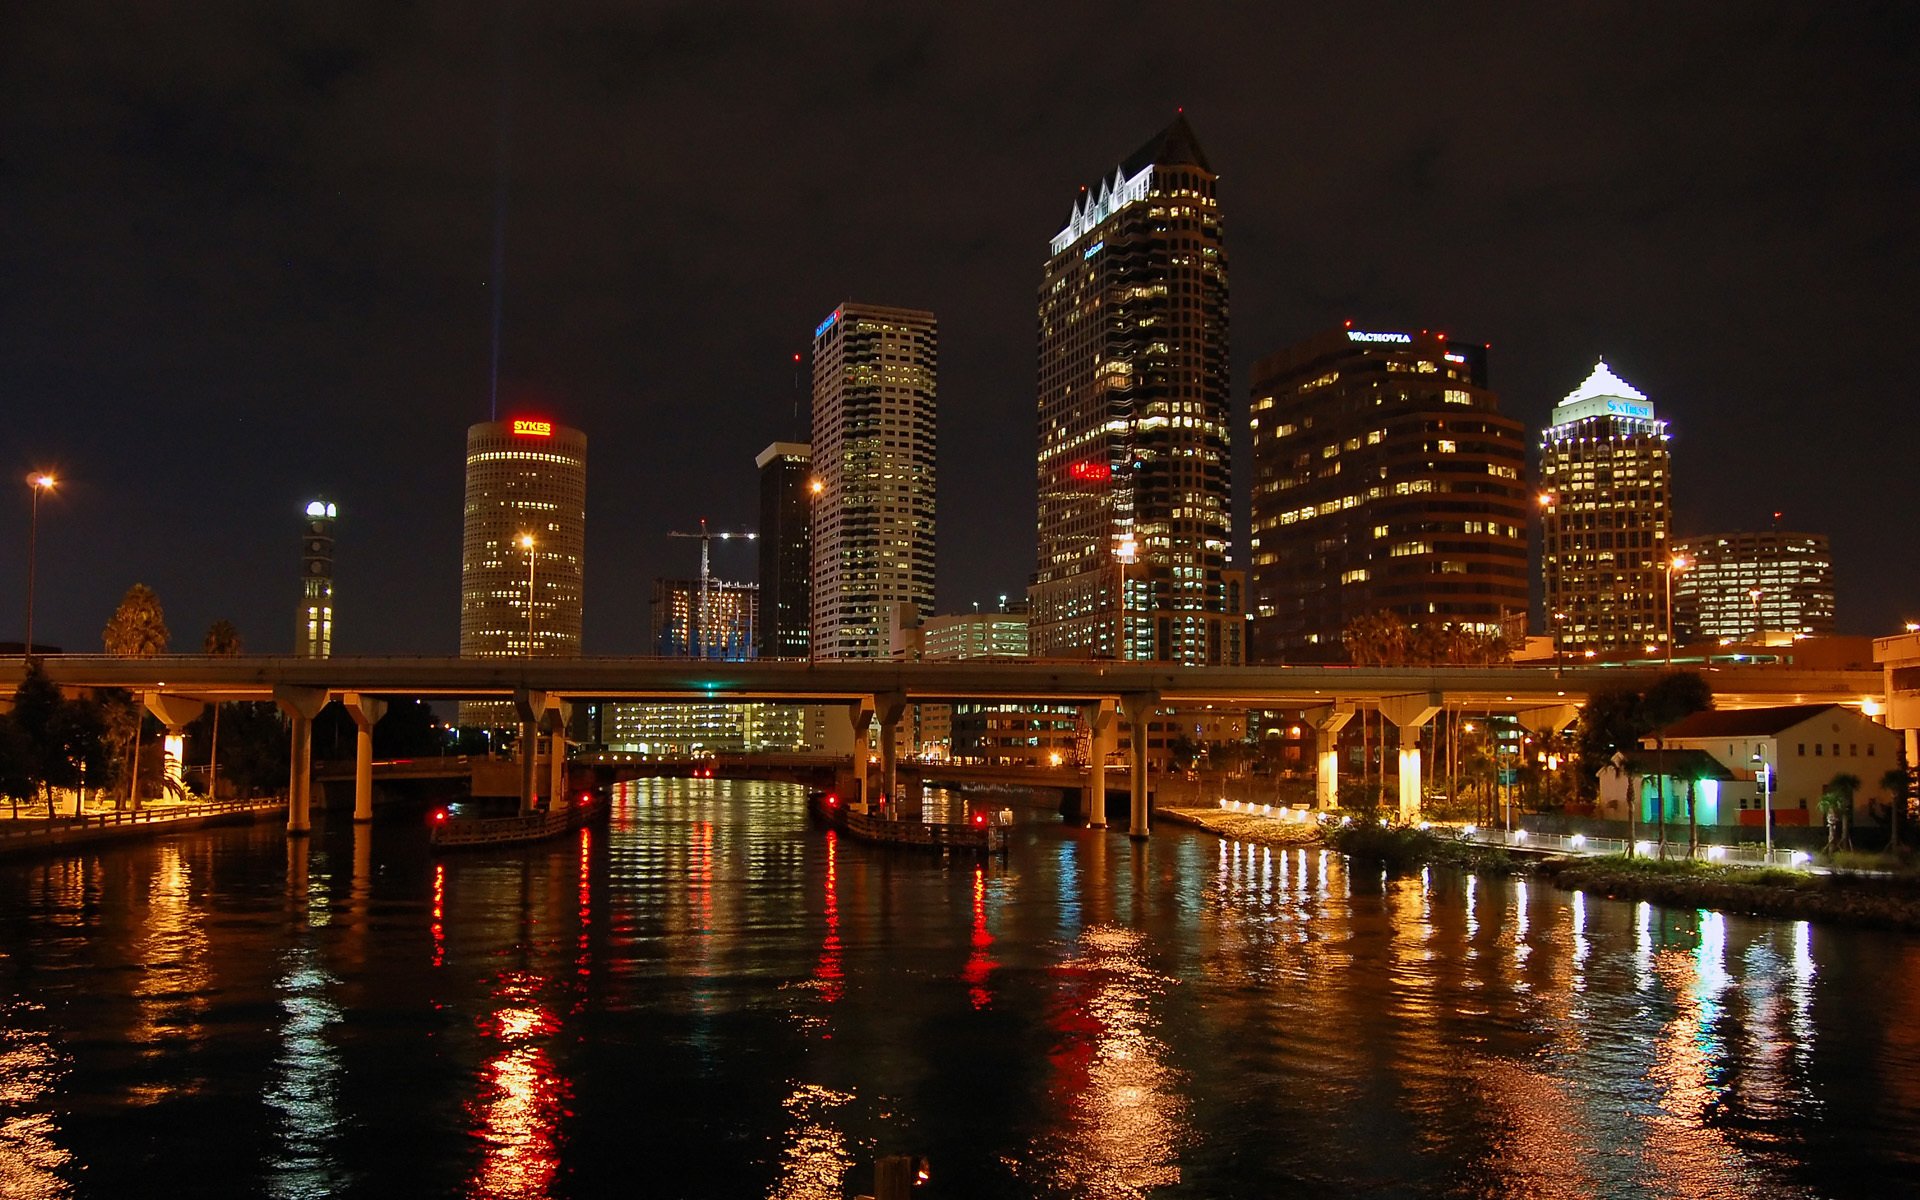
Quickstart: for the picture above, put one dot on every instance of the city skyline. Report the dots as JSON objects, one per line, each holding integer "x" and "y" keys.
{"x": 277, "y": 287}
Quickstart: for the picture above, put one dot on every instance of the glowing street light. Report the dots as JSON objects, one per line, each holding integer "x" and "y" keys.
{"x": 39, "y": 481}
{"x": 1676, "y": 563}
{"x": 526, "y": 543}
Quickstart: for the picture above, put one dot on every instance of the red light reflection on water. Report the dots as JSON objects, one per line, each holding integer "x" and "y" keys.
{"x": 979, "y": 964}
{"x": 582, "y": 963}
{"x": 517, "y": 1115}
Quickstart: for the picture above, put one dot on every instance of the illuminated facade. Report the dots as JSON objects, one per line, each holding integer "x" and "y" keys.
{"x": 722, "y": 624}
{"x": 1385, "y": 480}
{"x": 874, "y": 376}
{"x": 313, "y": 633}
{"x": 525, "y": 478}
{"x": 1134, "y": 528}
{"x": 786, "y": 549}
{"x": 1740, "y": 586}
{"x": 1606, "y": 519}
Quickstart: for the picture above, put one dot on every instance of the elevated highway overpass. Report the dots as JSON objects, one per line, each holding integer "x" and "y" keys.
{"x": 1543, "y": 697}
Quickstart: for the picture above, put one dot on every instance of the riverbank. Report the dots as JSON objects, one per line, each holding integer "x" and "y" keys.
{"x": 1243, "y": 826}
{"x": 1876, "y": 902}
{"x": 25, "y": 835}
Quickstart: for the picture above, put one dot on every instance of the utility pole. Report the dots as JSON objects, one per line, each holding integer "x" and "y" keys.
{"x": 698, "y": 633}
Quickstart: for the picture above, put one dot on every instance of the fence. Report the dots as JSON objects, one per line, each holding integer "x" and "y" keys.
{"x": 1747, "y": 854}
{"x": 61, "y": 828}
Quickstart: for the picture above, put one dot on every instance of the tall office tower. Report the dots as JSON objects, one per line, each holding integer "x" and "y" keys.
{"x": 1134, "y": 528}
{"x": 313, "y": 632}
{"x": 874, "y": 372}
{"x": 721, "y": 624}
{"x": 786, "y": 549}
{"x": 1744, "y": 586}
{"x": 1385, "y": 480}
{"x": 1607, "y": 516}
{"x": 524, "y": 551}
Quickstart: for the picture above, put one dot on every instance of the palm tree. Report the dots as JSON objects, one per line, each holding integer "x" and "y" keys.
{"x": 1837, "y": 802}
{"x": 137, "y": 629}
{"x": 222, "y": 641}
{"x": 1898, "y": 784}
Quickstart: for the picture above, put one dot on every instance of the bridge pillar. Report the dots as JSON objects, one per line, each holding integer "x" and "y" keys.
{"x": 1410, "y": 715}
{"x": 301, "y": 705}
{"x": 531, "y": 707}
{"x": 1328, "y": 720}
{"x": 860, "y": 716}
{"x": 890, "y": 708}
{"x": 1101, "y": 733}
{"x": 556, "y": 722}
{"x": 366, "y": 713}
{"x": 1138, "y": 708}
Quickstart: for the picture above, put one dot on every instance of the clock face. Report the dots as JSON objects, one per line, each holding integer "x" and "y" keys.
{"x": 319, "y": 527}
{"x": 318, "y": 568}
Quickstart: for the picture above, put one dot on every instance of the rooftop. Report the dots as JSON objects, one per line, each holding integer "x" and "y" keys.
{"x": 1604, "y": 384}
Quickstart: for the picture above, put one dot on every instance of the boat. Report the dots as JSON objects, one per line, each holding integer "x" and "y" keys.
{"x": 981, "y": 833}
{"x": 447, "y": 831}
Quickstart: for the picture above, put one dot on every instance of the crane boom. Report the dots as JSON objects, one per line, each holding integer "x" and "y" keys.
{"x": 706, "y": 536}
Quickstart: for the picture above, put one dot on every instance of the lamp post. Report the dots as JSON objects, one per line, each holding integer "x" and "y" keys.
{"x": 1755, "y": 594}
{"x": 1676, "y": 563}
{"x": 39, "y": 481}
{"x": 526, "y": 543}
{"x": 1766, "y": 799}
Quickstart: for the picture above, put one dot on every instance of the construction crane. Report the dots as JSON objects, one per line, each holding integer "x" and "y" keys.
{"x": 706, "y": 537}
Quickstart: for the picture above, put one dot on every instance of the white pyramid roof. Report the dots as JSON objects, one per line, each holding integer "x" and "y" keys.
{"x": 1604, "y": 384}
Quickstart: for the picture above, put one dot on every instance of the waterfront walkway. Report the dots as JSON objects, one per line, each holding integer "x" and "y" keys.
{"x": 33, "y": 830}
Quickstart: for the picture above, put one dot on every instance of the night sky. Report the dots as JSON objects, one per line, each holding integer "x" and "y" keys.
{"x": 246, "y": 250}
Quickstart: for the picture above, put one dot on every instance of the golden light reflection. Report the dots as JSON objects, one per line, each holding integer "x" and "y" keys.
{"x": 817, "y": 1157}
{"x": 1123, "y": 1120}
{"x": 522, "y": 1098}
{"x": 170, "y": 989}
{"x": 32, "y": 1161}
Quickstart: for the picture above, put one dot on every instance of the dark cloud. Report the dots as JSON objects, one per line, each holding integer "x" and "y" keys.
{"x": 247, "y": 255}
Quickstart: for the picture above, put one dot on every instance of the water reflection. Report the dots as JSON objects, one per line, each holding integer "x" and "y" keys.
{"x": 33, "y": 1163}
{"x": 170, "y": 990}
{"x": 303, "y": 1089}
{"x": 979, "y": 964}
{"x": 522, "y": 1098}
{"x": 1123, "y": 1112}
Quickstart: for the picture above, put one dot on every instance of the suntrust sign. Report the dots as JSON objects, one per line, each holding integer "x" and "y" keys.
{"x": 1401, "y": 339}
{"x": 1627, "y": 408}
{"x": 532, "y": 428}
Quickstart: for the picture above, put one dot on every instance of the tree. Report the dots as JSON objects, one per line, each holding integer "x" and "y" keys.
{"x": 1375, "y": 639}
{"x": 137, "y": 629}
{"x": 16, "y": 763}
{"x": 222, "y": 641}
{"x": 1899, "y": 784}
{"x": 1837, "y": 803}
{"x": 76, "y": 752}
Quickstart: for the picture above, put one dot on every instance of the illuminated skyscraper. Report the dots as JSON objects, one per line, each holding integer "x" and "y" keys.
{"x": 786, "y": 549}
{"x": 1133, "y": 524}
{"x": 1743, "y": 585}
{"x": 1385, "y": 480}
{"x": 313, "y": 632}
{"x": 726, "y": 624}
{"x": 1607, "y": 516}
{"x": 874, "y": 376}
{"x": 526, "y": 483}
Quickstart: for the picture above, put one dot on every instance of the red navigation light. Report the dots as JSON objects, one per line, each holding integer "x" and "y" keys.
{"x": 979, "y": 818}
{"x": 833, "y": 801}
{"x": 440, "y": 815}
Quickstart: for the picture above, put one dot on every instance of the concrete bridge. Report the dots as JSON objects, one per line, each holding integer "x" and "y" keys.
{"x": 1544, "y": 698}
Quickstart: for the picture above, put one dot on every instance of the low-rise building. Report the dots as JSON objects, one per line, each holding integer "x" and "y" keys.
{"x": 1802, "y": 747}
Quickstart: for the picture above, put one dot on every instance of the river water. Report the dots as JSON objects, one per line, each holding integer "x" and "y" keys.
{"x": 705, "y": 996}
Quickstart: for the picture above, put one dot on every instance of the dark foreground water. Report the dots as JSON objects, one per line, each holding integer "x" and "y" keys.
{"x": 706, "y": 997}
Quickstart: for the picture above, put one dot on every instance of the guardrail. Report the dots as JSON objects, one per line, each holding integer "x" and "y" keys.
{"x": 26, "y": 828}
{"x": 1747, "y": 854}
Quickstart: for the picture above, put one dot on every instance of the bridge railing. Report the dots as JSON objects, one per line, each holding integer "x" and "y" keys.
{"x": 29, "y": 827}
{"x": 1746, "y": 854}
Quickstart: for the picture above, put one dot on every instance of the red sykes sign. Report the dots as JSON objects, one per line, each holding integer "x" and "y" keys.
{"x": 532, "y": 428}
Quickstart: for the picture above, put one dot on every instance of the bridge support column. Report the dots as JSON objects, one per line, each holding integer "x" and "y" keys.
{"x": 1328, "y": 720}
{"x": 890, "y": 708}
{"x": 860, "y": 716}
{"x": 1100, "y": 737}
{"x": 556, "y": 722}
{"x": 176, "y": 713}
{"x": 301, "y": 705}
{"x": 366, "y": 713}
{"x": 1138, "y": 708}
{"x": 1410, "y": 715}
{"x": 531, "y": 707}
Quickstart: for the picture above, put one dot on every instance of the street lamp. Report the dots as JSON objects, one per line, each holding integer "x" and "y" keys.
{"x": 1676, "y": 563}
{"x": 1756, "y": 593}
{"x": 1123, "y": 555}
{"x": 526, "y": 543}
{"x": 1766, "y": 798}
{"x": 39, "y": 481}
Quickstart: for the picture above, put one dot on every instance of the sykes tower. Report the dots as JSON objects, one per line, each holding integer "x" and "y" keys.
{"x": 1133, "y": 522}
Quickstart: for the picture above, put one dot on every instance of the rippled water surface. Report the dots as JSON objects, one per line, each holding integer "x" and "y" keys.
{"x": 707, "y": 997}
